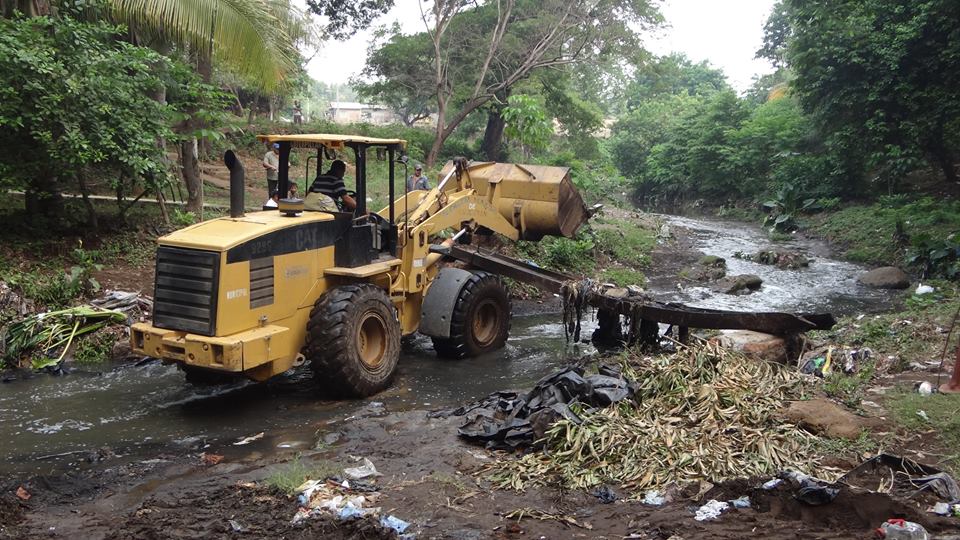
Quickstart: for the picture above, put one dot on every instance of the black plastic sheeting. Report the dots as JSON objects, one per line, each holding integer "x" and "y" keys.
{"x": 509, "y": 420}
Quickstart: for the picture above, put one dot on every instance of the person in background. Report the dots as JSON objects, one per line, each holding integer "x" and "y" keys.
{"x": 417, "y": 181}
{"x": 293, "y": 191}
{"x": 271, "y": 162}
{"x": 297, "y": 113}
{"x": 331, "y": 184}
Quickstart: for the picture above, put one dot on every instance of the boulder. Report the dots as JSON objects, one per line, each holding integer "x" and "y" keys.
{"x": 737, "y": 284}
{"x": 885, "y": 277}
{"x": 755, "y": 344}
{"x": 824, "y": 417}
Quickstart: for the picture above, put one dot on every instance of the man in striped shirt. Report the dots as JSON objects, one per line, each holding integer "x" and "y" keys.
{"x": 331, "y": 185}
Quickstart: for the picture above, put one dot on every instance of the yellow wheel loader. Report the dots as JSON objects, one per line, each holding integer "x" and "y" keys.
{"x": 259, "y": 293}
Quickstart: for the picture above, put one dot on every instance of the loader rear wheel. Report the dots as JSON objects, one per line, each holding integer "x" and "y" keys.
{"x": 353, "y": 340}
{"x": 481, "y": 319}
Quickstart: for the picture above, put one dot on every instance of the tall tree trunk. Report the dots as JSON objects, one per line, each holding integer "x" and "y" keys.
{"x": 189, "y": 149}
{"x": 190, "y": 167}
{"x": 43, "y": 197}
{"x": 91, "y": 210}
{"x": 492, "y": 147}
{"x": 945, "y": 160}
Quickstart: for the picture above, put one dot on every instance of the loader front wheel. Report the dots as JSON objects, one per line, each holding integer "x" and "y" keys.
{"x": 480, "y": 322}
{"x": 353, "y": 340}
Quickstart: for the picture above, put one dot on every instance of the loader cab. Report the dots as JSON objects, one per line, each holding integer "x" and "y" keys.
{"x": 370, "y": 235}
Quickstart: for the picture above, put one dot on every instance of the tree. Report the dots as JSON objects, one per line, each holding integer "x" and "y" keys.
{"x": 395, "y": 70}
{"x": 254, "y": 38}
{"x": 527, "y": 123}
{"x": 671, "y": 75}
{"x": 74, "y": 98}
{"x": 880, "y": 78}
{"x": 345, "y": 17}
{"x": 520, "y": 37}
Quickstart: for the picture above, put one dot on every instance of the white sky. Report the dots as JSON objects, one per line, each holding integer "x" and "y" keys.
{"x": 726, "y": 33}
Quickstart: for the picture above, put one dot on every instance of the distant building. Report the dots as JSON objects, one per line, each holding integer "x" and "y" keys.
{"x": 345, "y": 112}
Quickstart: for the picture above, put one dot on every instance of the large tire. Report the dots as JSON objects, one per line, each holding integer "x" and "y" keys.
{"x": 481, "y": 319}
{"x": 353, "y": 340}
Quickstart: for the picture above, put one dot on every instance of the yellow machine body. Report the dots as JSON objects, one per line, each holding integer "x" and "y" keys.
{"x": 234, "y": 295}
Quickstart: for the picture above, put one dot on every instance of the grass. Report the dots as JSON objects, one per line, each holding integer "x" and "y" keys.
{"x": 622, "y": 277}
{"x": 916, "y": 333}
{"x": 942, "y": 413}
{"x": 867, "y": 232}
{"x": 862, "y": 445}
{"x": 95, "y": 348}
{"x": 850, "y": 389}
{"x": 293, "y": 474}
{"x": 625, "y": 242}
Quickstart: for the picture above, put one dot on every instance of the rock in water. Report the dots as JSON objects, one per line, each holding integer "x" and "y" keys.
{"x": 736, "y": 284}
{"x": 886, "y": 277}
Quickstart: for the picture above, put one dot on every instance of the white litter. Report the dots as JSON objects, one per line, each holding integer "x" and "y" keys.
{"x": 711, "y": 510}
{"x": 248, "y": 440}
{"x": 924, "y": 289}
{"x": 923, "y": 414}
{"x": 925, "y": 389}
{"x": 770, "y": 484}
{"x": 741, "y": 502}
{"x": 364, "y": 471}
{"x": 653, "y": 498}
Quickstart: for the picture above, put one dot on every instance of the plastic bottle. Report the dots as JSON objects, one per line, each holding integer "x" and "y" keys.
{"x": 899, "y": 529}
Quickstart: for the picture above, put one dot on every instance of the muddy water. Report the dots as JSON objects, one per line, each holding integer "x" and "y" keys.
{"x": 827, "y": 285}
{"x": 49, "y": 424}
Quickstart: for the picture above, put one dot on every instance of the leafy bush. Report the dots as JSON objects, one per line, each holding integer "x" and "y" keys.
{"x": 567, "y": 254}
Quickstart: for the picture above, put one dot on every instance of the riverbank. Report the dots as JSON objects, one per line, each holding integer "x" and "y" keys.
{"x": 162, "y": 481}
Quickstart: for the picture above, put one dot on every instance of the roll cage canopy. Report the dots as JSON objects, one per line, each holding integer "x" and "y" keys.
{"x": 329, "y": 144}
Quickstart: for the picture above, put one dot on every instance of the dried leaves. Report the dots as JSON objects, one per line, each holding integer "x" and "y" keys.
{"x": 701, "y": 414}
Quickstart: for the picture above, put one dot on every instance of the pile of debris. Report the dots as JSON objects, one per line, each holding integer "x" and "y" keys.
{"x": 701, "y": 413}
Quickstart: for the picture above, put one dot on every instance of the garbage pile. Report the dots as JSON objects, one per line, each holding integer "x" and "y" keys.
{"x": 785, "y": 260}
{"x": 702, "y": 413}
{"x": 353, "y": 497}
{"x": 508, "y": 420}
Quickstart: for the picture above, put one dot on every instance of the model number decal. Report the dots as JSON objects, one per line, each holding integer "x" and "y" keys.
{"x": 236, "y": 293}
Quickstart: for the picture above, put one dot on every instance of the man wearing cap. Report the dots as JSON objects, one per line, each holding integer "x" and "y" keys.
{"x": 417, "y": 181}
{"x": 271, "y": 162}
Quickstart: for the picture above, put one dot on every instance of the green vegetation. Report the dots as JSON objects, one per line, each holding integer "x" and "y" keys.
{"x": 913, "y": 334}
{"x": 940, "y": 415}
{"x": 849, "y": 389}
{"x": 894, "y": 229}
{"x": 94, "y": 349}
{"x": 622, "y": 277}
{"x": 291, "y": 475}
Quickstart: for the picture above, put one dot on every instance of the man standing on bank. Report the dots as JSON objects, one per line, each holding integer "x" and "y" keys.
{"x": 271, "y": 162}
{"x": 417, "y": 181}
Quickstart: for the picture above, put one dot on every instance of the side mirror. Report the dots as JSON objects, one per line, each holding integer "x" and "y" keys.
{"x": 329, "y": 153}
{"x": 403, "y": 159}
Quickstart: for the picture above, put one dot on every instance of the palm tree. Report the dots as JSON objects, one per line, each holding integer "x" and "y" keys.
{"x": 256, "y": 39}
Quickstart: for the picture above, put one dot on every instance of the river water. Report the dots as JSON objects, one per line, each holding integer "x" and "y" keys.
{"x": 49, "y": 423}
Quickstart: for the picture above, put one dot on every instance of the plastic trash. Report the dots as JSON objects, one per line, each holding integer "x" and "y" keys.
{"x": 711, "y": 510}
{"x": 923, "y": 414}
{"x": 237, "y": 526}
{"x": 941, "y": 509}
{"x": 605, "y": 494}
{"x": 741, "y": 502}
{"x": 395, "y": 523}
{"x": 653, "y": 498}
{"x": 923, "y": 289}
{"x": 925, "y": 388}
{"x": 248, "y": 440}
{"x": 770, "y": 484}
{"x": 364, "y": 471}
{"x": 899, "y": 529}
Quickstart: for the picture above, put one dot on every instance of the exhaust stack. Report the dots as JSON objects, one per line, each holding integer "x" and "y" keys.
{"x": 236, "y": 183}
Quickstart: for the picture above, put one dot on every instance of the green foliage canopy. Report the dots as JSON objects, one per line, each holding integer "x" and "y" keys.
{"x": 73, "y": 97}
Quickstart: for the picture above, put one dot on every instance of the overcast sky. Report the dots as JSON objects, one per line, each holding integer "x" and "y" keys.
{"x": 726, "y": 33}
